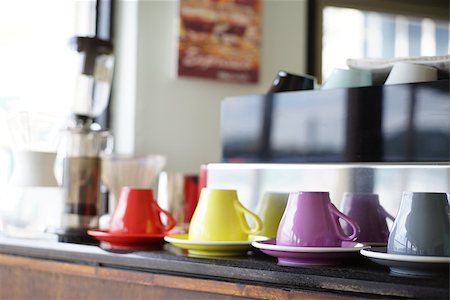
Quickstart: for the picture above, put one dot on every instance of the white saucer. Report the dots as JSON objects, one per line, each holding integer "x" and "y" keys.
{"x": 309, "y": 256}
{"x": 346, "y": 247}
{"x": 380, "y": 254}
{"x": 409, "y": 265}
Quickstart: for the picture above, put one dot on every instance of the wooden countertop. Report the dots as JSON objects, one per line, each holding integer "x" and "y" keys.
{"x": 231, "y": 276}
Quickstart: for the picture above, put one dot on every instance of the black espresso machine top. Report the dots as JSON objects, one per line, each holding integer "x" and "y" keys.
{"x": 388, "y": 123}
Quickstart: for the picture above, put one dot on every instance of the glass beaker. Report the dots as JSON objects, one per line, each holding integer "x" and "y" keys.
{"x": 78, "y": 170}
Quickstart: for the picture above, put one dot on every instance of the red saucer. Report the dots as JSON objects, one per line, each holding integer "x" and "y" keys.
{"x": 128, "y": 240}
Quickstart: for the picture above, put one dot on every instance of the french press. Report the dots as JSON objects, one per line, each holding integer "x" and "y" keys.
{"x": 78, "y": 163}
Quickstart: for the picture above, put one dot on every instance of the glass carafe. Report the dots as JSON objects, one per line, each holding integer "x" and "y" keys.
{"x": 78, "y": 171}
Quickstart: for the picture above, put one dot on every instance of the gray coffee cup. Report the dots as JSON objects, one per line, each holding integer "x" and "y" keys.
{"x": 422, "y": 225}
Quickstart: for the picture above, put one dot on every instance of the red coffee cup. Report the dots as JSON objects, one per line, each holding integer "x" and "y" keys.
{"x": 138, "y": 213}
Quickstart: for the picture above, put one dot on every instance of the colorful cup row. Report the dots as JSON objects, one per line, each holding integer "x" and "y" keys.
{"x": 299, "y": 219}
{"x": 362, "y": 208}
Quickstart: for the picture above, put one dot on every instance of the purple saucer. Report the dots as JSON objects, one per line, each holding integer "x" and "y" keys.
{"x": 309, "y": 256}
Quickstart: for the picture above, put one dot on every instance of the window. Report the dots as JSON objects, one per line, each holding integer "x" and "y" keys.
{"x": 38, "y": 72}
{"x": 345, "y": 29}
{"x": 37, "y": 66}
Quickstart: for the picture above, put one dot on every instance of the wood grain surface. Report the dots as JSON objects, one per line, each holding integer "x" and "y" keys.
{"x": 28, "y": 278}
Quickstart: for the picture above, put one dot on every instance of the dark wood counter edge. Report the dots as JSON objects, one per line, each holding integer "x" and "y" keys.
{"x": 94, "y": 256}
{"x": 111, "y": 281}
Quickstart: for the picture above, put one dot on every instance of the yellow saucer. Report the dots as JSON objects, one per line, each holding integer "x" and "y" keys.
{"x": 204, "y": 248}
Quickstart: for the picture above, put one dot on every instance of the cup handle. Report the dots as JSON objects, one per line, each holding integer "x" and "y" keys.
{"x": 385, "y": 214}
{"x": 355, "y": 228}
{"x": 243, "y": 222}
{"x": 170, "y": 220}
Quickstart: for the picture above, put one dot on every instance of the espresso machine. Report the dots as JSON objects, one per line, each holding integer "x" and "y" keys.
{"x": 78, "y": 163}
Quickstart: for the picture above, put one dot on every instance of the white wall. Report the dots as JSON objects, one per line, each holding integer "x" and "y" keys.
{"x": 156, "y": 112}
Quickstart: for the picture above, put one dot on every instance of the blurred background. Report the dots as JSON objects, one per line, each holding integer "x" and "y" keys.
{"x": 153, "y": 111}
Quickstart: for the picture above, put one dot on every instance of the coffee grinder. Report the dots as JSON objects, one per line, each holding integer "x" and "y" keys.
{"x": 78, "y": 163}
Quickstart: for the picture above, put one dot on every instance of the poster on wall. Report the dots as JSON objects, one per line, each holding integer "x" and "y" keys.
{"x": 220, "y": 39}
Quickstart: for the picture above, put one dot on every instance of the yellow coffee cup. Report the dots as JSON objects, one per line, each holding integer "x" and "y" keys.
{"x": 270, "y": 209}
{"x": 219, "y": 216}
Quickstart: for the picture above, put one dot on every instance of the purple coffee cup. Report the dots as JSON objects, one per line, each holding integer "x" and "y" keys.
{"x": 311, "y": 220}
{"x": 365, "y": 209}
